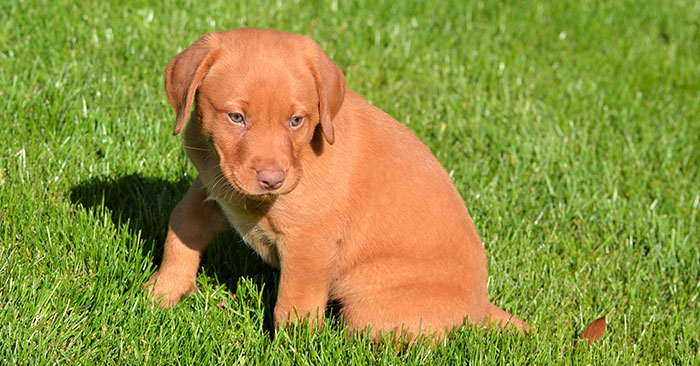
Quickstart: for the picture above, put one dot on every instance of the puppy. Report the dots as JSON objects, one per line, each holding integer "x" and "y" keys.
{"x": 344, "y": 200}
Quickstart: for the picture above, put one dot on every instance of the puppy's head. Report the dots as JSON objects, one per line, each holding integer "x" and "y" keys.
{"x": 259, "y": 97}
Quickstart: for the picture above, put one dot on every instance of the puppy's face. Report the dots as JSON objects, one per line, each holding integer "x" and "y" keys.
{"x": 259, "y": 116}
{"x": 260, "y": 96}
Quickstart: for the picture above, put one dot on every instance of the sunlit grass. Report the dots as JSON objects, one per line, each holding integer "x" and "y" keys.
{"x": 571, "y": 129}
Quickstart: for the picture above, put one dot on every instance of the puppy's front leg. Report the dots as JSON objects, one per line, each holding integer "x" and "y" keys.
{"x": 193, "y": 224}
{"x": 306, "y": 269}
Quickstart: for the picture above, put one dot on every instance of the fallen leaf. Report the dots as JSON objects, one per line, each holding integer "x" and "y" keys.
{"x": 594, "y": 330}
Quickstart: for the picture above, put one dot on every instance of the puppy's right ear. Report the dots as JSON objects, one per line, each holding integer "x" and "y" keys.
{"x": 184, "y": 74}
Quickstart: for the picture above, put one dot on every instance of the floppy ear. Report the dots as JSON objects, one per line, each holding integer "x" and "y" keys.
{"x": 330, "y": 86}
{"x": 184, "y": 74}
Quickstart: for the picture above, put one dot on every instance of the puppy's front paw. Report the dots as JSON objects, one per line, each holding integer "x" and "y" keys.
{"x": 167, "y": 290}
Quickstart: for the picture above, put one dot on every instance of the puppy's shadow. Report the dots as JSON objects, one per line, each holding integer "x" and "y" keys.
{"x": 143, "y": 205}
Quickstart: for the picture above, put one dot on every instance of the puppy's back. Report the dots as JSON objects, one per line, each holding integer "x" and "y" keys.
{"x": 414, "y": 257}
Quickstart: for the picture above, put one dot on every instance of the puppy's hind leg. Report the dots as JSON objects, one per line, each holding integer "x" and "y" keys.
{"x": 497, "y": 316}
{"x": 193, "y": 224}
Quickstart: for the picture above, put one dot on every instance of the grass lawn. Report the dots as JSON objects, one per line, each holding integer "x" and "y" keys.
{"x": 571, "y": 129}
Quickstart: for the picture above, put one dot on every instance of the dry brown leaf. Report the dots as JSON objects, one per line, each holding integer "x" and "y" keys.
{"x": 594, "y": 330}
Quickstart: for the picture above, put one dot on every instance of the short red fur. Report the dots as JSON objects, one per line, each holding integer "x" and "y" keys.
{"x": 344, "y": 200}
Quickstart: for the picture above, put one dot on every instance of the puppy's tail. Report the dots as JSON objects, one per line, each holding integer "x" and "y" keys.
{"x": 499, "y": 317}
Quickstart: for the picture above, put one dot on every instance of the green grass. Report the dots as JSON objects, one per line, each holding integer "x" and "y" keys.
{"x": 571, "y": 129}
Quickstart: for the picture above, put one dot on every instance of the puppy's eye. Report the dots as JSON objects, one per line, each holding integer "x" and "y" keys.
{"x": 296, "y": 121}
{"x": 236, "y": 118}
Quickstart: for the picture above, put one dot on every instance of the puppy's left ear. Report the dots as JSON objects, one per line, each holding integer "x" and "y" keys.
{"x": 330, "y": 86}
{"x": 184, "y": 74}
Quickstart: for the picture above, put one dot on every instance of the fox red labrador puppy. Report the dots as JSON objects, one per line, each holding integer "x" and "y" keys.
{"x": 344, "y": 200}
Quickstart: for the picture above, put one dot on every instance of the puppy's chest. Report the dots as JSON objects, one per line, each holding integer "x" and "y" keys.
{"x": 257, "y": 231}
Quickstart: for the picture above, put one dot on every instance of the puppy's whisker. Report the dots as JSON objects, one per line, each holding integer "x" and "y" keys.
{"x": 221, "y": 179}
{"x": 196, "y": 148}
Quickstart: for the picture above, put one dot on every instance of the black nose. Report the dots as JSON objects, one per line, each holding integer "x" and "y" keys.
{"x": 270, "y": 179}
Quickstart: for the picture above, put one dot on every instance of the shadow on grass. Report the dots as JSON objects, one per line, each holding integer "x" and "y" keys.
{"x": 143, "y": 205}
